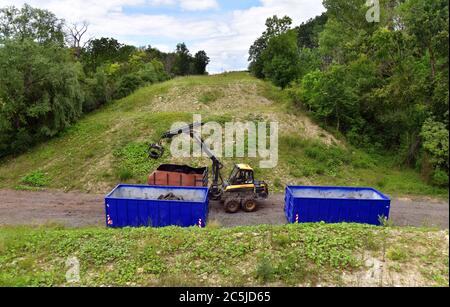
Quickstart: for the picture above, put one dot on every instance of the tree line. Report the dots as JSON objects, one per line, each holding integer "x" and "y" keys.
{"x": 383, "y": 84}
{"x": 49, "y": 79}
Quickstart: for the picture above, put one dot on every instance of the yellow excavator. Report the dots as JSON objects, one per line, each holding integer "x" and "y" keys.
{"x": 240, "y": 190}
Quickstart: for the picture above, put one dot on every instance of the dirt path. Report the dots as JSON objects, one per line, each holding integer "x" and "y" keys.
{"x": 78, "y": 210}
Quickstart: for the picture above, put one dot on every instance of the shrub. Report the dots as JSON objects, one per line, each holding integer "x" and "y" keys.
{"x": 35, "y": 179}
{"x": 128, "y": 84}
{"x": 39, "y": 85}
{"x": 264, "y": 269}
{"x": 124, "y": 174}
{"x": 210, "y": 96}
{"x": 440, "y": 178}
{"x": 435, "y": 143}
{"x": 396, "y": 254}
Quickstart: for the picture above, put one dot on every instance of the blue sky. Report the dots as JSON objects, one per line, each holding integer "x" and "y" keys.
{"x": 223, "y": 6}
{"x": 224, "y": 29}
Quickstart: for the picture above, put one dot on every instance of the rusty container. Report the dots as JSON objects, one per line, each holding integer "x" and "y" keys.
{"x": 179, "y": 175}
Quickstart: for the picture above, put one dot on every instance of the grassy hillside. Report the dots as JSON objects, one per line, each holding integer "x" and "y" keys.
{"x": 293, "y": 255}
{"x": 109, "y": 146}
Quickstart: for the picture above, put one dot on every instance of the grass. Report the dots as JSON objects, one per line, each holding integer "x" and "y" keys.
{"x": 210, "y": 96}
{"x": 348, "y": 166}
{"x": 109, "y": 146}
{"x": 291, "y": 255}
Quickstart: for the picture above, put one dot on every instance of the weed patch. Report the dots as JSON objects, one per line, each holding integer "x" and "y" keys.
{"x": 35, "y": 179}
{"x": 210, "y": 96}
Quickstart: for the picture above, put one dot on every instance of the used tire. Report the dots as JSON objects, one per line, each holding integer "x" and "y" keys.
{"x": 249, "y": 205}
{"x": 232, "y": 206}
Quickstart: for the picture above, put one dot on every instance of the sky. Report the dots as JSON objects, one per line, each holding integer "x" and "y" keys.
{"x": 225, "y": 29}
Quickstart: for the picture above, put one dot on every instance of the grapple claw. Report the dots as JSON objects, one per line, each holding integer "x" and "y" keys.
{"x": 155, "y": 151}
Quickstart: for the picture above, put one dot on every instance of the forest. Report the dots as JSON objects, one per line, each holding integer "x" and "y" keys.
{"x": 50, "y": 75}
{"x": 382, "y": 84}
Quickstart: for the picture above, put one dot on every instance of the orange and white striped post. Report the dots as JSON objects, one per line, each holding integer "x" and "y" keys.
{"x": 110, "y": 222}
{"x": 297, "y": 218}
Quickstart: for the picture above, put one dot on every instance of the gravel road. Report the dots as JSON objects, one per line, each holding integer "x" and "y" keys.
{"x": 80, "y": 210}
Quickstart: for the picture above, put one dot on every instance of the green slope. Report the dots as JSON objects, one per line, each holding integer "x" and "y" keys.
{"x": 291, "y": 255}
{"x": 108, "y": 146}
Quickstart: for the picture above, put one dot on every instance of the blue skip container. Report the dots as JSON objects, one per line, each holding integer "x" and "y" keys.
{"x": 140, "y": 206}
{"x": 336, "y": 205}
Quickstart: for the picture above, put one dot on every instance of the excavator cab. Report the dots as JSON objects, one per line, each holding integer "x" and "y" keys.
{"x": 242, "y": 190}
{"x": 241, "y": 174}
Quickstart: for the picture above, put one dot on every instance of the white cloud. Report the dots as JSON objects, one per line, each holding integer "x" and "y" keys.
{"x": 230, "y": 50}
{"x": 188, "y": 5}
{"x": 163, "y": 47}
{"x": 198, "y": 5}
{"x": 225, "y": 37}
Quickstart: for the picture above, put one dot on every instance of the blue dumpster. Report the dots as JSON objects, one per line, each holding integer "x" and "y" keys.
{"x": 335, "y": 205}
{"x": 143, "y": 206}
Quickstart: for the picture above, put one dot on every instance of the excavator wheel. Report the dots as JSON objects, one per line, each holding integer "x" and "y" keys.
{"x": 232, "y": 205}
{"x": 249, "y": 205}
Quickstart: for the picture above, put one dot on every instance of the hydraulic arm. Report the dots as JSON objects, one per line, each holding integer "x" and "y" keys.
{"x": 156, "y": 151}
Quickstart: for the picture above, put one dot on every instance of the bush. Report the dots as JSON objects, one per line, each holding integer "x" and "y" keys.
{"x": 124, "y": 174}
{"x": 99, "y": 89}
{"x": 40, "y": 94}
{"x": 210, "y": 96}
{"x": 435, "y": 143}
{"x": 264, "y": 270}
{"x": 397, "y": 254}
{"x": 35, "y": 179}
{"x": 153, "y": 72}
{"x": 281, "y": 59}
{"x": 440, "y": 178}
{"x": 128, "y": 84}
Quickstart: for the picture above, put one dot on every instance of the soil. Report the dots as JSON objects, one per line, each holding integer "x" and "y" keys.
{"x": 75, "y": 209}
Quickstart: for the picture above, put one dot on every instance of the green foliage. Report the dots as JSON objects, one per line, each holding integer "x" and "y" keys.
{"x": 435, "y": 142}
{"x": 45, "y": 87}
{"x": 308, "y": 32}
{"x": 210, "y": 96}
{"x": 397, "y": 254}
{"x": 132, "y": 162}
{"x": 182, "y": 61}
{"x": 264, "y": 269}
{"x": 312, "y": 158}
{"x": 330, "y": 97}
{"x": 33, "y": 24}
{"x": 306, "y": 254}
{"x": 124, "y": 174}
{"x": 440, "y": 178}
{"x": 40, "y": 94}
{"x": 152, "y": 72}
{"x": 274, "y": 27}
{"x": 376, "y": 83}
{"x": 201, "y": 60}
{"x": 85, "y": 151}
{"x": 281, "y": 59}
{"x": 105, "y": 51}
{"x": 128, "y": 84}
{"x": 35, "y": 179}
